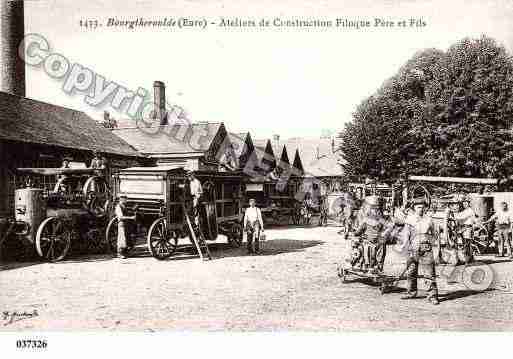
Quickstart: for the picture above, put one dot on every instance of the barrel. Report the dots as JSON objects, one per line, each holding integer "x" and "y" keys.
{"x": 482, "y": 206}
{"x": 30, "y": 208}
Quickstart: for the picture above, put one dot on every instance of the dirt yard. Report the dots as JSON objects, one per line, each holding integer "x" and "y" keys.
{"x": 292, "y": 285}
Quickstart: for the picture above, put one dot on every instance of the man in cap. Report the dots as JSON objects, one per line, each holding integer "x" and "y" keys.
{"x": 121, "y": 214}
{"x": 375, "y": 231}
{"x": 419, "y": 235}
{"x": 504, "y": 223}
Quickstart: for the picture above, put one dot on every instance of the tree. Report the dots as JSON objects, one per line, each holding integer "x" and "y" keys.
{"x": 443, "y": 113}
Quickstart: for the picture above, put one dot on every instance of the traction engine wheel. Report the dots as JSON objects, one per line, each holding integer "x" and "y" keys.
{"x": 111, "y": 235}
{"x": 53, "y": 239}
{"x": 161, "y": 242}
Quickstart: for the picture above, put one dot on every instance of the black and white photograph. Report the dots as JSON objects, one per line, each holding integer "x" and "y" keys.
{"x": 309, "y": 167}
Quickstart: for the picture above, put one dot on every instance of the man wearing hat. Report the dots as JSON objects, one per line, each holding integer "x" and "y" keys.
{"x": 419, "y": 235}
{"x": 375, "y": 232}
{"x": 503, "y": 221}
{"x": 121, "y": 212}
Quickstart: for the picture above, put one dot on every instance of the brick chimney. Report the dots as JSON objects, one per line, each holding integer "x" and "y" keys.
{"x": 276, "y": 141}
{"x": 12, "y": 32}
{"x": 159, "y": 97}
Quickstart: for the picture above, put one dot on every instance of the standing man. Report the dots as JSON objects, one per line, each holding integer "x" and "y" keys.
{"x": 374, "y": 228}
{"x": 504, "y": 223}
{"x": 121, "y": 214}
{"x": 419, "y": 235}
{"x": 196, "y": 193}
{"x": 196, "y": 189}
{"x": 467, "y": 218}
{"x": 253, "y": 225}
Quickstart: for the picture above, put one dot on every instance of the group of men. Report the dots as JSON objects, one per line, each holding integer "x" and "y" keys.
{"x": 253, "y": 222}
{"x": 418, "y": 234}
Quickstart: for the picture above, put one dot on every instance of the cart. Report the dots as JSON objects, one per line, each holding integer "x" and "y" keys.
{"x": 276, "y": 200}
{"x": 159, "y": 197}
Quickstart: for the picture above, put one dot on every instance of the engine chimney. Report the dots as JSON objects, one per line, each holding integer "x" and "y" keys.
{"x": 159, "y": 96}
{"x": 12, "y": 32}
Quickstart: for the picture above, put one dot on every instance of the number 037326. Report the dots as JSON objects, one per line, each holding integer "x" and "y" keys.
{"x": 31, "y": 344}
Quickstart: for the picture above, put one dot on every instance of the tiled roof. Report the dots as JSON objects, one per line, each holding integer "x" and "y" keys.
{"x": 170, "y": 139}
{"x": 26, "y": 120}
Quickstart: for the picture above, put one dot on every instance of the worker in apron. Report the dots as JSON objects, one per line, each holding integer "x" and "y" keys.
{"x": 254, "y": 226}
{"x": 419, "y": 236}
{"x": 467, "y": 220}
{"x": 121, "y": 215}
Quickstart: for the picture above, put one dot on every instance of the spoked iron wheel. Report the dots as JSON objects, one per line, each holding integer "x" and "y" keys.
{"x": 161, "y": 242}
{"x": 53, "y": 239}
{"x": 111, "y": 235}
{"x": 237, "y": 235}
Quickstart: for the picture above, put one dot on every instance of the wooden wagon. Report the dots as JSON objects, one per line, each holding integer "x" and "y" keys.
{"x": 158, "y": 196}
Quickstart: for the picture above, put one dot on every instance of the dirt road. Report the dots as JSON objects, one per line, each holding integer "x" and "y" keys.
{"x": 293, "y": 285}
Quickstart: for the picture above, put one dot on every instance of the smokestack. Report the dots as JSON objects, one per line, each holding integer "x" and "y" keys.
{"x": 159, "y": 96}
{"x": 12, "y": 32}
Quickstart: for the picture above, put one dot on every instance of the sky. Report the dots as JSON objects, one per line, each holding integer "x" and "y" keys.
{"x": 292, "y": 82}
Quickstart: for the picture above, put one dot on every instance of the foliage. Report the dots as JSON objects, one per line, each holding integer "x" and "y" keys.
{"x": 443, "y": 114}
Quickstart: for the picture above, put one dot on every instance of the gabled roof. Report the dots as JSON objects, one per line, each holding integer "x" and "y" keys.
{"x": 318, "y": 156}
{"x": 238, "y": 141}
{"x": 243, "y": 146}
{"x": 297, "y": 163}
{"x": 26, "y": 120}
{"x": 265, "y": 153}
{"x": 171, "y": 139}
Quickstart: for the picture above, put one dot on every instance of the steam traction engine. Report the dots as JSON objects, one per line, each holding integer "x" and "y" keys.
{"x": 71, "y": 215}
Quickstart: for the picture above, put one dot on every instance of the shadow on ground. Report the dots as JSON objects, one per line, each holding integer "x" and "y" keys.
{"x": 457, "y": 294}
{"x": 267, "y": 248}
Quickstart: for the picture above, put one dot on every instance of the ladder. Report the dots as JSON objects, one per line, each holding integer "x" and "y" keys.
{"x": 197, "y": 238}
{"x": 9, "y": 228}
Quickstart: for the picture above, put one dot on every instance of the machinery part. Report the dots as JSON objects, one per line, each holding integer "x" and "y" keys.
{"x": 30, "y": 208}
{"x": 111, "y": 235}
{"x": 236, "y": 236}
{"x": 415, "y": 191}
{"x": 53, "y": 239}
{"x": 96, "y": 193}
{"x": 95, "y": 242}
{"x": 161, "y": 242}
